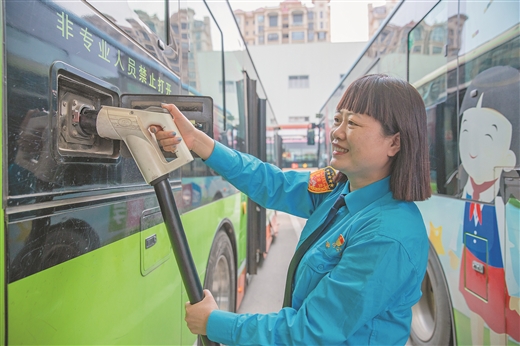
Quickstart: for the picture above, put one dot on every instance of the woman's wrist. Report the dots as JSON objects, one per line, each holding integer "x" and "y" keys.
{"x": 203, "y": 145}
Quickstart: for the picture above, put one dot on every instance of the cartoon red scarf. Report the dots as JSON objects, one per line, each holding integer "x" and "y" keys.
{"x": 477, "y": 190}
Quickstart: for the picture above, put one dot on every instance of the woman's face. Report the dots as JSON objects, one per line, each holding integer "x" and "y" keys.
{"x": 360, "y": 149}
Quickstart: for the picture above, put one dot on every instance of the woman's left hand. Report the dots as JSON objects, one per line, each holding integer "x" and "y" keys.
{"x": 197, "y": 315}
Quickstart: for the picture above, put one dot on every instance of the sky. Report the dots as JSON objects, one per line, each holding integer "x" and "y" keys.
{"x": 349, "y": 18}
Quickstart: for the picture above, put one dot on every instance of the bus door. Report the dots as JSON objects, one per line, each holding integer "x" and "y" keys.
{"x": 256, "y": 146}
{"x": 254, "y": 111}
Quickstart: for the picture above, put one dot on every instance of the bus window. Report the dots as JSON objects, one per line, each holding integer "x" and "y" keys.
{"x": 427, "y": 61}
{"x": 137, "y": 19}
{"x": 427, "y": 53}
{"x": 152, "y": 14}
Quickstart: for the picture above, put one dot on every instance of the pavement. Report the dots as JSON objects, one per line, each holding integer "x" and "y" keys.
{"x": 265, "y": 290}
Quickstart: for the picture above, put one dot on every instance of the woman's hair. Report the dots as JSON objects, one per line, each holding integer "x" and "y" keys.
{"x": 400, "y": 109}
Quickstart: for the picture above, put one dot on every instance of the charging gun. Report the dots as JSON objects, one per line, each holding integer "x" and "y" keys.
{"x": 131, "y": 126}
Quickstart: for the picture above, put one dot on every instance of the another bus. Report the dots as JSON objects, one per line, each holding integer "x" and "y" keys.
{"x": 296, "y": 147}
{"x": 86, "y": 258}
{"x": 464, "y": 59}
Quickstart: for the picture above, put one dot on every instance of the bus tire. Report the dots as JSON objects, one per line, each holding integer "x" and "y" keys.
{"x": 221, "y": 273}
{"x": 432, "y": 315}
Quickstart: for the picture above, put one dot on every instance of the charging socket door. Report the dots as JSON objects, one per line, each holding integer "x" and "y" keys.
{"x": 198, "y": 109}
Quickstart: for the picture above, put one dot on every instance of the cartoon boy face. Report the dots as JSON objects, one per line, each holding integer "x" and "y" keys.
{"x": 485, "y": 137}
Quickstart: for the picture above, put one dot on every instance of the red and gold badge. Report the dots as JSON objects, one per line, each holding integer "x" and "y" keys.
{"x": 322, "y": 180}
{"x": 339, "y": 243}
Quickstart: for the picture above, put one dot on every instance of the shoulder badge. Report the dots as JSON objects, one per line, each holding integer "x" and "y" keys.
{"x": 322, "y": 180}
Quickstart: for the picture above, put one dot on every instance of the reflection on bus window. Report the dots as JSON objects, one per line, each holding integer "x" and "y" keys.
{"x": 143, "y": 21}
{"x": 426, "y": 42}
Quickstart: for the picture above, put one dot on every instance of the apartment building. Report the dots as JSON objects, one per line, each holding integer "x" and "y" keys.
{"x": 289, "y": 22}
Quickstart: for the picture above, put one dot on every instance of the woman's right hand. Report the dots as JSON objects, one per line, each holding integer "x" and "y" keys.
{"x": 195, "y": 140}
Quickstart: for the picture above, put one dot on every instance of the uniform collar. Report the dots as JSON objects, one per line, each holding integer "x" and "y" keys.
{"x": 359, "y": 199}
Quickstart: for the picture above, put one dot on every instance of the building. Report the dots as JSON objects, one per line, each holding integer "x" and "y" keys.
{"x": 290, "y": 22}
{"x": 298, "y": 78}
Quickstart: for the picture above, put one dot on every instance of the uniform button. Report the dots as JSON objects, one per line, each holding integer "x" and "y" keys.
{"x": 320, "y": 267}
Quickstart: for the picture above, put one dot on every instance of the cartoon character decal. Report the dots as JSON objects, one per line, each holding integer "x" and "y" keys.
{"x": 488, "y": 146}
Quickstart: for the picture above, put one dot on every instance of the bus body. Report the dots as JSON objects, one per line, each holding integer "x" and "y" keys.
{"x": 86, "y": 257}
{"x": 464, "y": 59}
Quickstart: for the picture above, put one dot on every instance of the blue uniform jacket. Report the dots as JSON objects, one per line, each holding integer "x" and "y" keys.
{"x": 356, "y": 285}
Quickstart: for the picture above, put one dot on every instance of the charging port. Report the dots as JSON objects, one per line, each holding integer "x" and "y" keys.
{"x": 77, "y": 96}
{"x": 71, "y": 107}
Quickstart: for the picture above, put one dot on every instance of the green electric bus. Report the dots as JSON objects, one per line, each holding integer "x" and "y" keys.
{"x": 463, "y": 57}
{"x": 86, "y": 257}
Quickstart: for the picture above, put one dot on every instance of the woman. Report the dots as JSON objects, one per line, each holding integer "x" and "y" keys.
{"x": 357, "y": 282}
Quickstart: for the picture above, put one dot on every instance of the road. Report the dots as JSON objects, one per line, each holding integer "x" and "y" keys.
{"x": 265, "y": 290}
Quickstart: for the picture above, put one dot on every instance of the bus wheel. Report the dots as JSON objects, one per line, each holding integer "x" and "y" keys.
{"x": 432, "y": 315}
{"x": 221, "y": 273}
